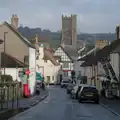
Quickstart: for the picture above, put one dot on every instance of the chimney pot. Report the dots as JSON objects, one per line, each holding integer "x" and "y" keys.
{"x": 14, "y": 21}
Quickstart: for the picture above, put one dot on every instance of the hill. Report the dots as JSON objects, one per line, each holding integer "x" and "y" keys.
{"x": 53, "y": 38}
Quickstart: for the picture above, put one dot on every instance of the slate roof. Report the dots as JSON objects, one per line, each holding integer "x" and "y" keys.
{"x": 49, "y": 56}
{"x": 117, "y": 50}
{"x": 105, "y": 52}
{"x": 70, "y": 51}
{"x": 25, "y": 40}
{"x": 87, "y": 49}
{"x": 9, "y": 61}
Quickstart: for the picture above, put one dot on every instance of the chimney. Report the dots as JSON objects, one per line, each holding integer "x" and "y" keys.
{"x": 41, "y": 51}
{"x": 36, "y": 39}
{"x": 118, "y": 32}
{"x": 14, "y": 21}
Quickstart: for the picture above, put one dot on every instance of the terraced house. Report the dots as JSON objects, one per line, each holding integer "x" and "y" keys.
{"x": 103, "y": 68}
{"x": 67, "y": 56}
{"x": 17, "y": 46}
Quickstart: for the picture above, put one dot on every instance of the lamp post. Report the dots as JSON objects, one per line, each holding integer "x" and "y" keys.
{"x": 4, "y": 48}
{"x": 1, "y": 42}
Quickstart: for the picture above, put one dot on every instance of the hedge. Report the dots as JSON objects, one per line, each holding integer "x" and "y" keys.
{"x": 6, "y": 78}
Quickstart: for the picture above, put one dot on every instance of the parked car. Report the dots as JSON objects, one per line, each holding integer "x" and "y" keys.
{"x": 70, "y": 87}
{"x": 64, "y": 83}
{"x": 75, "y": 90}
{"x": 88, "y": 93}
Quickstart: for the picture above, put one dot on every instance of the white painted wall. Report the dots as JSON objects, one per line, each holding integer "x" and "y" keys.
{"x": 13, "y": 72}
{"x": 32, "y": 68}
{"x": 78, "y": 68}
{"x": 49, "y": 69}
{"x": 115, "y": 63}
{"x": 101, "y": 70}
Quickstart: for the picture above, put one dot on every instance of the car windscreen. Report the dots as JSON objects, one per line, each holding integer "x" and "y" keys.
{"x": 89, "y": 89}
{"x": 65, "y": 81}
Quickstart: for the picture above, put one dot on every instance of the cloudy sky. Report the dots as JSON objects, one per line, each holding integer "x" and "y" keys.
{"x": 93, "y": 16}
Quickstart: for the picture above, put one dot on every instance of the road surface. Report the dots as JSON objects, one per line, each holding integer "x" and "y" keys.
{"x": 59, "y": 106}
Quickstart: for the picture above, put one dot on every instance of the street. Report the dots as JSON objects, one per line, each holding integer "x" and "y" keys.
{"x": 59, "y": 106}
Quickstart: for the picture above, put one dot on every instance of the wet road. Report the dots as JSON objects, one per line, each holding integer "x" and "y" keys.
{"x": 58, "y": 106}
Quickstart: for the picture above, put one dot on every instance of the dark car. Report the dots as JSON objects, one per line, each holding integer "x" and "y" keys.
{"x": 88, "y": 93}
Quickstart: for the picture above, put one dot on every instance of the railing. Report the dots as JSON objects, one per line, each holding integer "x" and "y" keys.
{"x": 10, "y": 93}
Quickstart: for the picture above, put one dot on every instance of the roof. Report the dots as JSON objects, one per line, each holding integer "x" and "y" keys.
{"x": 116, "y": 50}
{"x": 49, "y": 56}
{"x": 86, "y": 49}
{"x": 105, "y": 52}
{"x": 70, "y": 51}
{"x": 89, "y": 54}
{"x": 25, "y": 40}
{"x": 9, "y": 61}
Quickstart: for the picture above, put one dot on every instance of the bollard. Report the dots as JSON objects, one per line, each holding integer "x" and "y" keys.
{"x": 13, "y": 96}
{"x": 17, "y": 95}
{"x": 7, "y": 95}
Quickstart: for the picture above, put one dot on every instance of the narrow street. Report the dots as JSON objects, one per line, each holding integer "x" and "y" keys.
{"x": 59, "y": 106}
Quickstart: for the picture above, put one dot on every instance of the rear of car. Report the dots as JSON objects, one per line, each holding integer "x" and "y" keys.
{"x": 89, "y": 93}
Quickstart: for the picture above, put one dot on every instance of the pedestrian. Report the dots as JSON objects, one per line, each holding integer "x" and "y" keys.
{"x": 60, "y": 78}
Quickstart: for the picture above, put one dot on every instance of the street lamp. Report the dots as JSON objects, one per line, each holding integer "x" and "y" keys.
{"x": 4, "y": 48}
{"x": 1, "y": 42}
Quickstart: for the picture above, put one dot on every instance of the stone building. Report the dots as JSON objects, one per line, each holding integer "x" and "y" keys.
{"x": 69, "y": 30}
{"x": 118, "y": 32}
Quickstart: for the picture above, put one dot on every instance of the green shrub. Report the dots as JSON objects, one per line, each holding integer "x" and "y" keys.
{"x": 6, "y": 78}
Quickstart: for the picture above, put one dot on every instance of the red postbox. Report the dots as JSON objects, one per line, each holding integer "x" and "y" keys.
{"x": 26, "y": 86}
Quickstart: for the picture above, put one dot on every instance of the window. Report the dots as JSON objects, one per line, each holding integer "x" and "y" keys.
{"x": 65, "y": 65}
{"x": 48, "y": 79}
{"x": 26, "y": 59}
{"x": 37, "y": 57}
{"x": 52, "y": 77}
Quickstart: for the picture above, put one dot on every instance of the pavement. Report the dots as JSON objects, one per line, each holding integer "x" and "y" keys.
{"x": 113, "y": 105}
{"x": 26, "y": 102}
{"x": 59, "y": 106}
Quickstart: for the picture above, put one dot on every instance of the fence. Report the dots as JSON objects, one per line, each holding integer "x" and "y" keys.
{"x": 10, "y": 93}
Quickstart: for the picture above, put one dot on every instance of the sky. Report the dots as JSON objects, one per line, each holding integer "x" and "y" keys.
{"x": 93, "y": 16}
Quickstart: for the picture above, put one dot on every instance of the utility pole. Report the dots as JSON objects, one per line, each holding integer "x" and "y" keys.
{"x": 4, "y": 48}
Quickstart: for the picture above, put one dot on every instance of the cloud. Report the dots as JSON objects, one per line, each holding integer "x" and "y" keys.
{"x": 93, "y": 15}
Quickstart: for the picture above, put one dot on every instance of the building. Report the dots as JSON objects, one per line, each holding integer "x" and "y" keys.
{"x": 69, "y": 30}
{"x": 85, "y": 54}
{"x": 103, "y": 70}
{"x": 11, "y": 66}
{"x": 67, "y": 55}
{"x": 118, "y": 32}
{"x": 48, "y": 65}
{"x": 17, "y": 46}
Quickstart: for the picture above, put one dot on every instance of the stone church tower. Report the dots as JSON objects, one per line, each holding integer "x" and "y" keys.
{"x": 69, "y": 30}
